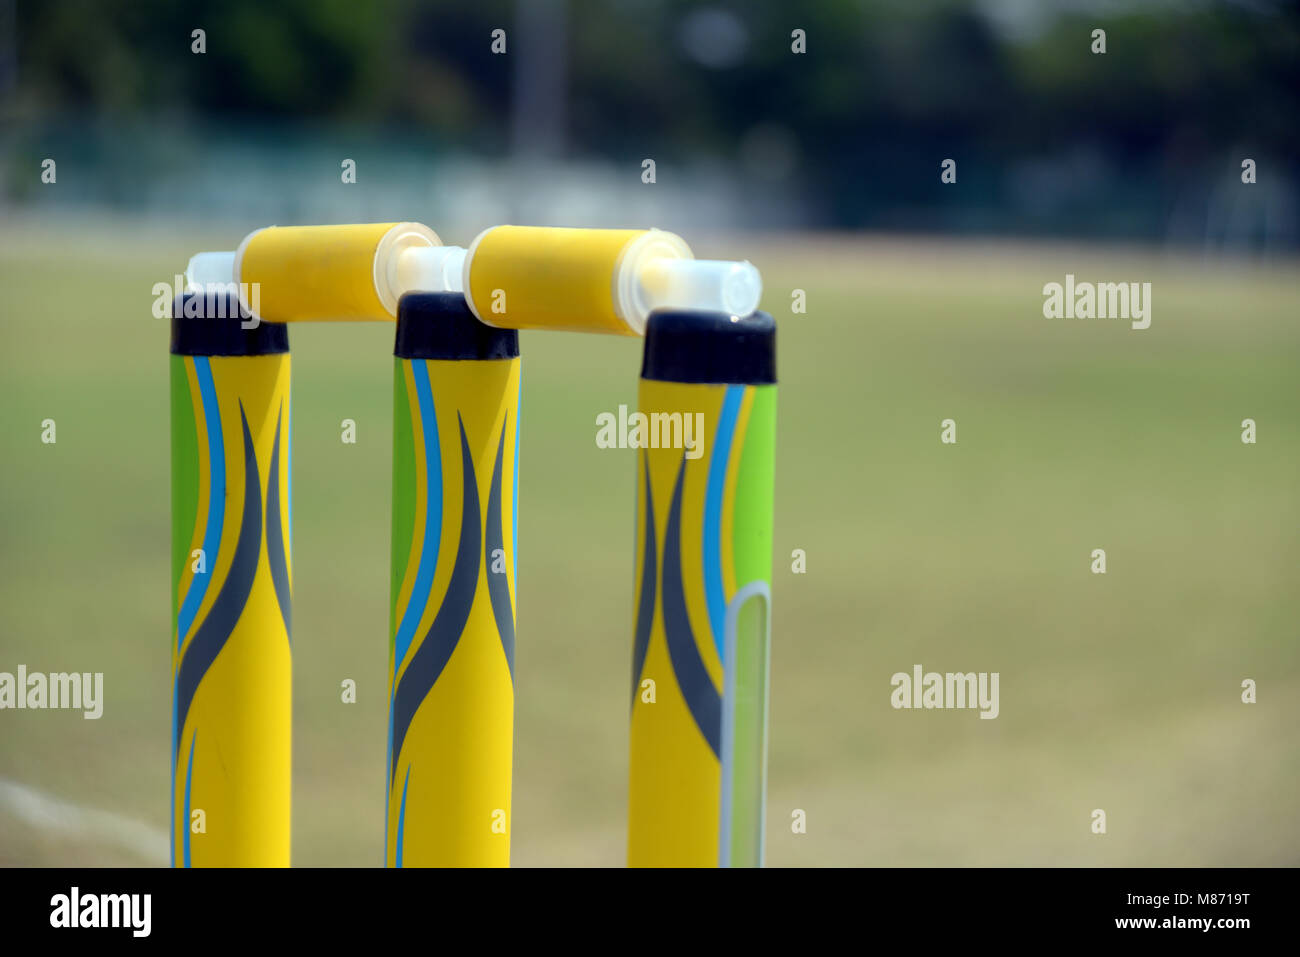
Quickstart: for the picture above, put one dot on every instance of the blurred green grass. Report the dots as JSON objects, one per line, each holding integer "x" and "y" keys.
{"x": 1118, "y": 692}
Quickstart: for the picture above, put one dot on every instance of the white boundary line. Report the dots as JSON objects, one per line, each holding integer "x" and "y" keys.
{"x": 47, "y": 813}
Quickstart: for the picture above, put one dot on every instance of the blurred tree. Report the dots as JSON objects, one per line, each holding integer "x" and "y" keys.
{"x": 861, "y": 120}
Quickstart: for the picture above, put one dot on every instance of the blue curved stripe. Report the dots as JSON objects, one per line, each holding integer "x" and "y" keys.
{"x": 646, "y": 606}
{"x": 175, "y": 732}
{"x": 401, "y": 817}
{"x": 415, "y": 605}
{"x": 449, "y": 623}
{"x": 388, "y": 797}
{"x": 514, "y": 512}
{"x": 189, "y": 770}
{"x": 498, "y": 589}
{"x": 275, "y": 552}
{"x": 220, "y": 621}
{"x": 701, "y": 697}
{"x": 216, "y": 500}
{"x": 289, "y": 466}
{"x": 717, "y": 485}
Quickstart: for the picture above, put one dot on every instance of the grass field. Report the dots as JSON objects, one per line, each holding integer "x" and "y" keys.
{"x": 1119, "y": 692}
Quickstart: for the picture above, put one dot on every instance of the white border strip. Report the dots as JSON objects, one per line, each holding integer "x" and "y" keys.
{"x": 754, "y": 588}
{"x": 44, "y": 812}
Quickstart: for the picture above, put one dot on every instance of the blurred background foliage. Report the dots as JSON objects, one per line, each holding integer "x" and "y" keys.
{"x": 1049, "y": 137}
{"x": 1119, "y": 691}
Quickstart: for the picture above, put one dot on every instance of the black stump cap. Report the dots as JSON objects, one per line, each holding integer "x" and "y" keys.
{"x": 213, "y": 324}
{"x": 440, "y": 325}
{"x": 710, "y": 347}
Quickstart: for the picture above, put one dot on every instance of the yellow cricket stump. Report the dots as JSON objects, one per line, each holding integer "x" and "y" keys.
{"x": 452, "y": 624}
{"x": 231, "y": 593}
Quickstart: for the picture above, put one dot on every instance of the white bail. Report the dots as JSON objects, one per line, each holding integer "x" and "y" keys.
{"x": 210, "y": 269}
{"x": 431, "y": 269}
